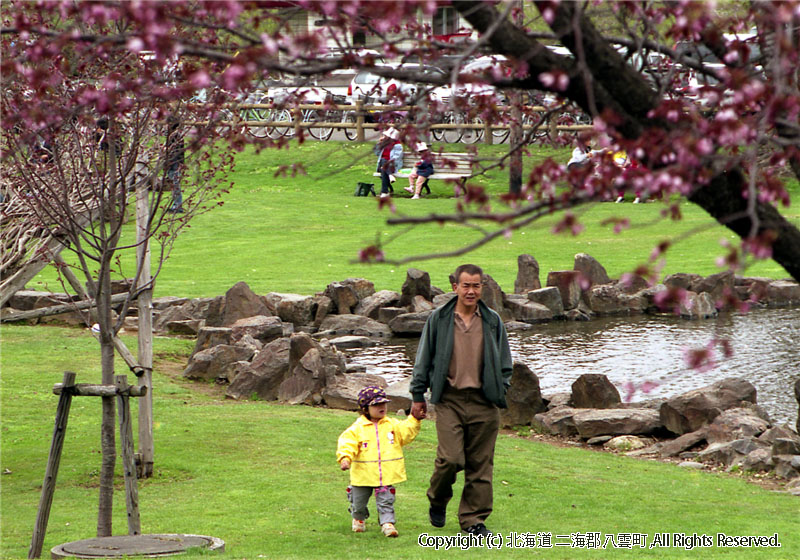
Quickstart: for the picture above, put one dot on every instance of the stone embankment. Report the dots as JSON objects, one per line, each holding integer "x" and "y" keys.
{"x": 286, "y": 347}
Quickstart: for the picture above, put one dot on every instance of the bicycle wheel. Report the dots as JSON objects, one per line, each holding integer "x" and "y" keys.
{"x": 350, "y": 118}
{"x": 453, "y": 135}
{"x": 251, "y": 115}
{"x": 283, "y": 115}
{"x": 328, "y": 117}
{"x": 472, "y": 135}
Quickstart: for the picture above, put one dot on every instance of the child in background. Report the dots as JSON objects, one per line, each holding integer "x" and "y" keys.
{"x": 372, "y": 449}
{"x": 422, "y": 170}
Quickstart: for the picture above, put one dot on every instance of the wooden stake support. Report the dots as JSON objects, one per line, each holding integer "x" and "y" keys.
{"x": 66, "y": 390}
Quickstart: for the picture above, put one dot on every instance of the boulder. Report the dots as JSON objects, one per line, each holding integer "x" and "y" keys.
{"x": 590, "y": 270}
{"x": 632, "y": 283}
{"x": 27, "y": 300}
{"x": 419, "y": 305}
{"x": 211, "y": 336}
{"x": 493, "y": 296}
{"x": 264, "y": 374}
{"x": 312, "y": 366}
{"x": 567, "y": 283}
{"x": 690, "y": 411}
{"x": 325, "y": 307}
{"x": 785, "y": 446}
{"x": 188, "y": 327}
{"x": 681, "y": 280}
{"x": 625, "y": 443}
{"x": 343, "y": 296}
{"x": 401, "y": 396}
{"x": 592, "y": 390}
{"x": 523, "y": 309}
{"x": 523, "y": 397}
{"x": 736, "y": 423}
{"x": 216, "y": 363}
{"x": 293, "y": 308}
{"x": 183, "y": 312}
{"x": 781, "y": 293}
{"x": 715, "y": 285}
{"x": 610, "y": 299}
{"x": 698, "y": 306}
{"x": 210, "y": 309}
{"x": 783, "y": 431}
{"x": 616, "y": 421}
{"x": 729, "y": 452}
{"x": 241, "y": 302}
{"x": 513, "y": 326}
{"x": 164, "y": 302}
{"x": 786, "y": 466}
{"x": 386, "y": 314}
{"x": 260, "y": 327}
{"x": 342, "y": 392}
{"x": 527, "y": 275}
{"x": 371, "y": 305}
{"x": 680, "y": 444}
{"x": 550, "y": 298}
{"x": 443, "y": 298}
{"x": 354, "y": 325}
{"x": 557, "y": 399}
{"x": 352, "y": 341}
{"x": 557, "y": 421}
{"x": 409, "y": 323}
{"x": 758, "y": 460}
{"x": 797, "y": 398}
{"x": 417, "y": 283}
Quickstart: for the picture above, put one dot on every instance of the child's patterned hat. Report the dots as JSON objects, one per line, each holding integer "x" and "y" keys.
{"x": 371, "y": 395}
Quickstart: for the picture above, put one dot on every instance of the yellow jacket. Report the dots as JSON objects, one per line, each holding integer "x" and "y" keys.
{"x": 376, "y": 451}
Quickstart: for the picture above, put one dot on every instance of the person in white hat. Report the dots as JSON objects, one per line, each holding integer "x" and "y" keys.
{"x": 389, "y": 150}
{"x": 422, "y": 170}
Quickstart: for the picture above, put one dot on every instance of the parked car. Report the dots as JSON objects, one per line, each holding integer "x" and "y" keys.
{"x": 370, "y": 87}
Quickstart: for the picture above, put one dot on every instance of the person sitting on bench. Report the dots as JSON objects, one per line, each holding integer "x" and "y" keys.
{"x": 422, "y": 170}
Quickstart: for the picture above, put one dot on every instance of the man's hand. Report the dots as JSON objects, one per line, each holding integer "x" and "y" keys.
{"x": 419, "y": 410}
{"x": 345, "y": 464}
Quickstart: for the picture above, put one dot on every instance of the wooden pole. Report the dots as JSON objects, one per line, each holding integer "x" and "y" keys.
{"x": 91, "y": 390}
{"x": 359, "y": 121}
{"x": 51, "y": 472}
{"x": 146, "y": 455}
{"x": 56, "y": 309}
{"x": 128, "y": 463}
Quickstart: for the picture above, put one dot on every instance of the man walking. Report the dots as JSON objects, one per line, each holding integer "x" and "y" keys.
{"x": 465, "y": 360}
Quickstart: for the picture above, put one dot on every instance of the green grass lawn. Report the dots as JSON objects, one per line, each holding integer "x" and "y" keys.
{"x": 299, "y": 234}
{"x": 263, "y": 476}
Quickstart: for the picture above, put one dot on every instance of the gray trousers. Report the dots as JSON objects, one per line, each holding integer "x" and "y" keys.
{"x": 358, "y": 496}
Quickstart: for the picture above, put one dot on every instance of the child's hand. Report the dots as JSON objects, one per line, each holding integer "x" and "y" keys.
{"x": 345, "y": 464}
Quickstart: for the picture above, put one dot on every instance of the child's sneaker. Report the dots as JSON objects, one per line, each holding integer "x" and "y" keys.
{"x": 359, "y": 526}
{"x": 389, "y": 529}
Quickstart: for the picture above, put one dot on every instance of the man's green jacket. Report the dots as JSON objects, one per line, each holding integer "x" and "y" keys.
{"x": 436, "y": 348}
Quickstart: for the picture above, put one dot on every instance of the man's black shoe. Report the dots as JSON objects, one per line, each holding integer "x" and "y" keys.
{"x": 479, "y": 529}
{"x": 438, "y": 516}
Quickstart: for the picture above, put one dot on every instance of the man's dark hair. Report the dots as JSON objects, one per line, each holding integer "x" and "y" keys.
{"x": 469, "y": 269}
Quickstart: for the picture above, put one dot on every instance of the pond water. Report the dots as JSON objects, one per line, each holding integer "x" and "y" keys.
{"x": 646, "y": 352}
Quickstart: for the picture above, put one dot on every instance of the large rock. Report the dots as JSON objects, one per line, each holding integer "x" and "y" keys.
{"x": 567, "y": 283}
{"x": 729, "y": 452}
{"x": 616, "y": 421}
{"x": 523, "y": 309}
{"x": 610, "y": 299}
{"x": 386, "y": 314}
{"x": 692, "y": 410}
{"x": 716, "y": 285}
{"x": 409, "y": 323}
{"x": 216, "y": 363}
{"x": 293, "y": 308}
{"x": 348, "y": 293}
{"x": 342, "y": 392}
{"x": 419, "y": 305}
{"x": 680, "y": 444}
{"x": 736, "y": 423}
{"x": 354, "y": 325}
{"x": 524, "y": 397}
{"x": 260, "y": 327}
{"x": 783, "y": 292}
{"x": 797, "y": 397}
{"x": 26, "y": 300}
{"x": 527, "y": 275}
{"x": 264, "y": 374}
{"x": 593, "y": 390}
{"x": 211, "y": 336}
{"x": 241, "y": 302}
{"x": 312, "y": 366}
{"x": 557, "y": 421}
{"x": 698, "y": 306}
{"x": 493, "y": 296}
{"x": 550, "y": 298}
{"x": 417, "y": 283}
{"x": 371, "y": 305}
{"x": 681, "y": 280}
{"x": 591, "y": 270}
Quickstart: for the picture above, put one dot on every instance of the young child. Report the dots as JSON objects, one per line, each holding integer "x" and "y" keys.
{"x": 372, "y": 448}
{"x": 422, "y": 170}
